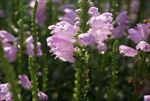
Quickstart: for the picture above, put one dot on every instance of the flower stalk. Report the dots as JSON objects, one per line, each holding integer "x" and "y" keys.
{"x": 21, "y": 36}
{"x": 114, "y": 72}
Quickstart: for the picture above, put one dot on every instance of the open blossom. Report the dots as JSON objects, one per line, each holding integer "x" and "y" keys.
{"x": 42, "y": 96}
{"x": 70, "y": 16}
{"x": 85, "y": 39}
{"x": 10, "y": 51}
{"x": 122, "y": 21}
{"x": 6, "y": 36}
{"x": 140, "y": 33}
{"x": 143, "y": 46}
{"x": 127, "y": 51}
{"x": 146, "y": 97}
{"x": 30, "y": 47}
{"x": 62, "y": 40}
{"x": 7, "y": 41}
{"x": 5, "y": 93}
{"x": 24, "y": 81}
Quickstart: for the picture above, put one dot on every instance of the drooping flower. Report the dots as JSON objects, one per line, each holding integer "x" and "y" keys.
{"x": 93, "y": 11}
{"x": 102, "y": 47}
{"x": 70, "y": 16}
{"x": 24, "y": 81}
{"x": 7, "y": 41}
{"x": 139, "y": 34}
{"x": 85, "y": 39}
{"x": 42, "y": 96}
{"x": 6, "y": 36}
{"x": 62, "y": 40}
{"x": 146, "y": 97}
{"x": 127, "y": 51}
{"x": 122, "y": 21}
{"x": 5, "y": 93}
{"x": 143, "y": 46}
{"x": 30, "y": 47}
{"x": 10, "y": 51}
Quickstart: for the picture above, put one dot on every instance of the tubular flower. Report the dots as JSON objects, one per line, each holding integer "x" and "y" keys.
{"x": 7, "y": 41}
{"x": 62, "y": 40}
{"x": 140, "y": 33}
{"x": 143, "y": 46}
{"x": 5, "y": 92}
{"x": 24, "y": 81}
{"x": 30, "y": 47}
{"x": 122, "y": 21}
{"x": 70, "y": 16}
{"x": 42, "y": 96}
{"x": 127, "y": 51}
{"x": 146, "y": 97}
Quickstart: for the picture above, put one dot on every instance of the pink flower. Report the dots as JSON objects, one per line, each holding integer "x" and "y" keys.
{"x": 5, "y": 93}
{"x": 24, "y": 81}
{"x": 70, "y": 16}
{"x": 7, "y": 41}
{"x": 146, "y": 97}
{"x": 143, "y": 46}
{"x": 62, "y": 40}
{"x": 10, "y": 51}
{"x": 85, "y": 39}
{"x": 122, "y": 21}
{"x": 6, "y": 36}
{"x": 139, "y": 34}
{"x": 42, "y": 96}
{"x": 127, "y": 51}
{"x": 30, "y": 47}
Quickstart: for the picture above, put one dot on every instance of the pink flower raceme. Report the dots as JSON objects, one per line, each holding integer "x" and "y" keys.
{"x": 30, "y": 47}
{"x": 62, "y": 40}
{"x": 24, "y": 81}
{"x": 100, "y": 29}
{"x": 7, "y": 41}
{"x": 5, "y": 93}
{"x": 146, "y": 97}
{"x": 42, "y": 96}
{"x": 127, "y": 51}
{"x": 122, "y": 21}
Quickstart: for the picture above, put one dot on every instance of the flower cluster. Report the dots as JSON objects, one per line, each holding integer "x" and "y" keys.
{"x": 139, "y": 36}
{"x": 64, "y": 33}
{"x": 9, "y": 43}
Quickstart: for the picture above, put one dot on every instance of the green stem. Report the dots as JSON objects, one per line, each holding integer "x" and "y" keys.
{"x": 45, "y": 75}
{"x": 34, "y": 78}
{"x": 34, "y": 27}
{"x": 81, "y": 77}
{"x": 114, "y": 7}
{"x": 21, "y": 36}
{"x": 84, "y": 6}
{"x": 141, "y": 11}
{"x": 114, "y": 73}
